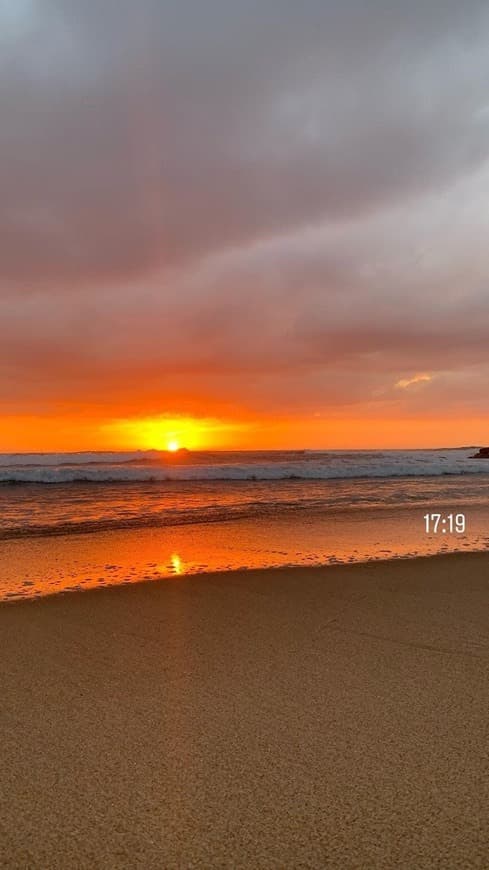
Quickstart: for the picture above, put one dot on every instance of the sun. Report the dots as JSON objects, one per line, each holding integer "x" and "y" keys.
{"x": 170, "y": 434}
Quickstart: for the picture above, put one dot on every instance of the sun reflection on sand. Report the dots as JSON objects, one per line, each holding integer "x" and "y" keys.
{"x": 177, "y": 563}
{"x": 174, "y": 564}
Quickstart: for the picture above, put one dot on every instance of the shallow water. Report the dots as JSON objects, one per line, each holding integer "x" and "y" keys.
{"x": 27, "y": 509}
{"x": 42, "y": 565}
{"x": 74, "y": 521}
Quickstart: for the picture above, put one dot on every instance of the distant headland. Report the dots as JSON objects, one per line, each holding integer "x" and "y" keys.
{"x": 482, "y": 454}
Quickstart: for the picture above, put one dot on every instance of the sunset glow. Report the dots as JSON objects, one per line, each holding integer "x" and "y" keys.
{"x": 338, "y": 431}
{"x": 167, "y": 433}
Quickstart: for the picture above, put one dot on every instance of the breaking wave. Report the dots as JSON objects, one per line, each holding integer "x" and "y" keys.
{"x": 148, "y": 466}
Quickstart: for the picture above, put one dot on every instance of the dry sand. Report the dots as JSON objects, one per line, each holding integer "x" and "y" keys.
{"x": 322, "y": 718}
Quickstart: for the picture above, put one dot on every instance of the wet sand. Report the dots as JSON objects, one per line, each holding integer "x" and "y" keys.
{"x": 309, "y": 717}
{"x": 33, "y": 566}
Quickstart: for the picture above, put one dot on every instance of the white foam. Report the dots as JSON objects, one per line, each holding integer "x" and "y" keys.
{"x": 117, "y": 467}
{"x": 79, "y": 458}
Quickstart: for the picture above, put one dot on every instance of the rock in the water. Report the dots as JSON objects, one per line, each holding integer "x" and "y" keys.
{"x": 482, "y": 454}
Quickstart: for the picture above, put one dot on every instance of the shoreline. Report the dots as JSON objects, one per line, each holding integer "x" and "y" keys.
{"x": 35, "y": 567}
{"x": 280, "y": 717}
{"x": 243, "y": 573}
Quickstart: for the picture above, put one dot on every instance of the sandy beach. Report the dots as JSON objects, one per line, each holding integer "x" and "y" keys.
{"x": 310, "y": 717}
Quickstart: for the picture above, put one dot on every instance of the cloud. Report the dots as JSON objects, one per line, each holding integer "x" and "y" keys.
{"x": 270, "y": 205}
{"x": 416, "y": 379}
{"x": 138, "y": 137}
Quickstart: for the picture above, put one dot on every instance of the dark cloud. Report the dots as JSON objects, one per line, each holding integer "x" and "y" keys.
{"x": 276, "y": 198}
{"x": 135, "y": 135}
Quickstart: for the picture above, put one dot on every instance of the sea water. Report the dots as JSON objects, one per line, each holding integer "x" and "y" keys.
{"x": 83, "y": 519}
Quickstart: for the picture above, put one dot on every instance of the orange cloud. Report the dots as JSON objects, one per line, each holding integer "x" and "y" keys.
{"x": 417, "y": 379}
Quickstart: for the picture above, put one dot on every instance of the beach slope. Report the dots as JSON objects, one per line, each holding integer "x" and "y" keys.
{"x": 317, "y": 718}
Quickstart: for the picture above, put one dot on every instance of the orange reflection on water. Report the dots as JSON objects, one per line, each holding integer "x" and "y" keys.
{"x": 177, "y": 563}
{"x": 45, "y": 565}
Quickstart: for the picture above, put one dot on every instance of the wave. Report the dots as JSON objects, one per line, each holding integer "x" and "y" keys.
{"x": 220, "y": 513}
{"x": 149, "y": 466}
{"x": 189, "y": 516}
{"x": 21, "y": 460}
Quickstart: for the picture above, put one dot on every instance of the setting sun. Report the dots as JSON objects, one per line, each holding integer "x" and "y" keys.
{"x": 165, "y": 432}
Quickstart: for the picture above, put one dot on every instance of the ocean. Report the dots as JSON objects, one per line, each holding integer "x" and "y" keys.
{"x": 75, "y": 520}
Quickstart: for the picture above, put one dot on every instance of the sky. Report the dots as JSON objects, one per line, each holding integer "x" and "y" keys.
{"x": 243, "y": 224}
